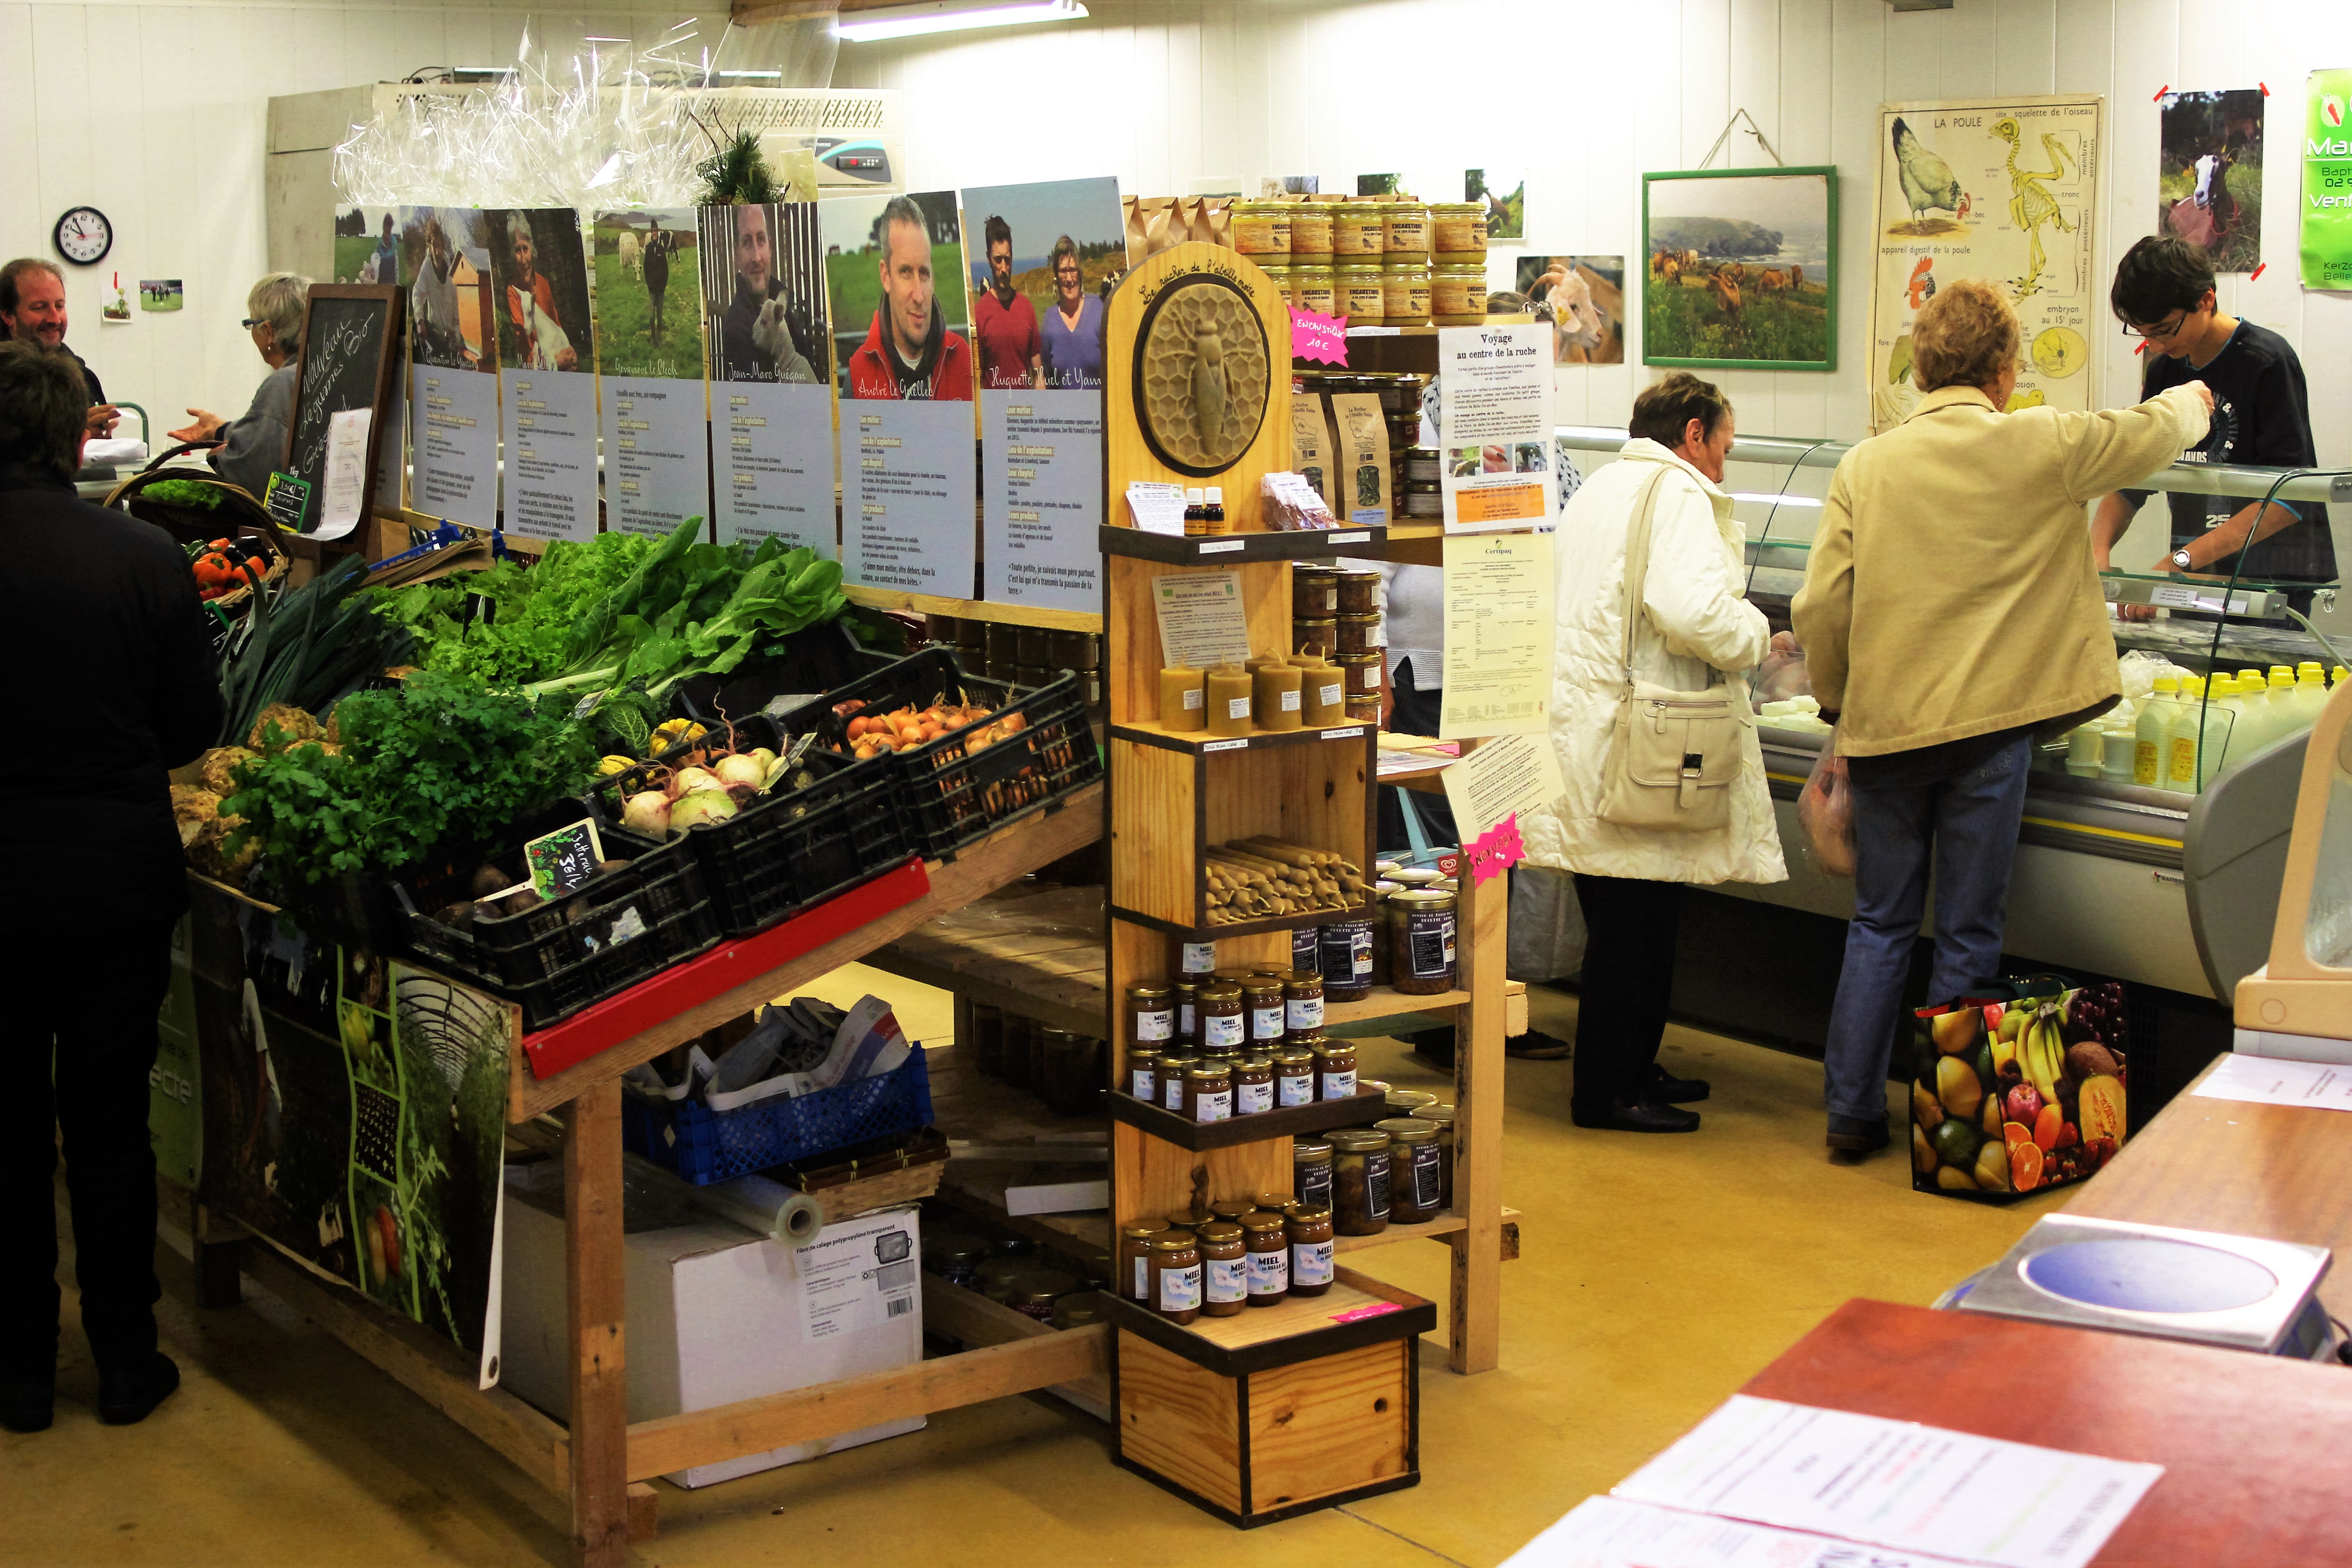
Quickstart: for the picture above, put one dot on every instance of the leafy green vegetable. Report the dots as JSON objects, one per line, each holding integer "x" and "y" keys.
{"x": 534, "y": 612}
{"x": 440, "y": 759}
{"x": 305, "y": 646}
{"x": 183, "y": 492}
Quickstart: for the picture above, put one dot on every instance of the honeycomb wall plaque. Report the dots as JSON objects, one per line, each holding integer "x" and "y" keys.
{"x": 1201, "y": 365}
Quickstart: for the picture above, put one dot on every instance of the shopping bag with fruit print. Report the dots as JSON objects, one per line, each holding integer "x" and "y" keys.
{"x": 2018, "y": 1087}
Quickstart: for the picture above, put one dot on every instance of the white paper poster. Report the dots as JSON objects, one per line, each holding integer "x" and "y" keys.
{"x": 2274, "y": 1080}
{"x": 1202, "y": 620}
{"x": 549, "y": 424}
{"x": 1610, "y": 1532}
{"x": 1498, "y": 635}
{"x": 1509, "y": 776}
{"x": 657, "y": 456}
{"x": 456, "y": 416}
{"x": 1042, "y": 475}
{"x": 648, "y": 333}
{"x": 772, "y": 460}
{"x": 906, "y": 485}
{"x": 344, "y": 478}
{"x": 1494, "y": 427}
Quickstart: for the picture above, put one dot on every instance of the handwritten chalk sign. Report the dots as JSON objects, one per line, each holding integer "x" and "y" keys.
{"x": 351, "y": 350}
{"x": 563, "y": 859}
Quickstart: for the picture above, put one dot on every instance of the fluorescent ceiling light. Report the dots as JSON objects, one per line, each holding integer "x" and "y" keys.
{"x": 950, "y": 16}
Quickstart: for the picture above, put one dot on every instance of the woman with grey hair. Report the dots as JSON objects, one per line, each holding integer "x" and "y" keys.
{"x": 253, "y": 445}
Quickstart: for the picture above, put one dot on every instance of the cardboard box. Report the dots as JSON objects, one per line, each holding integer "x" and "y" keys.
{"x": 715, "y": 1313}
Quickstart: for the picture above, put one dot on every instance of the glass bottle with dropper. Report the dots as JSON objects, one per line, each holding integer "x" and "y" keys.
{"x": 1213, "y": 511}
{"x": 1196, "y": 515}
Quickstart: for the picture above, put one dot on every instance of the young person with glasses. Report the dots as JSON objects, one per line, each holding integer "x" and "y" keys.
{"x": 2164, "y": 296}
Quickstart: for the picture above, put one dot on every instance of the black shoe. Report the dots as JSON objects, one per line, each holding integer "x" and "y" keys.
{"x": 1535, "y": 1045}
{"x": 1434, "y": 1048}
{"x": 1663, "y": 1085}
{"x": 1856, "y": 1134}
{"x": 1644, "y": 1114}
{"x": 127, "y": 1395}
{"x": 28, "y": 1406}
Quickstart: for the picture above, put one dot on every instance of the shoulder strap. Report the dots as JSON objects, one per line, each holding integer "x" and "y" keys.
{"x": 1637, "y": 565}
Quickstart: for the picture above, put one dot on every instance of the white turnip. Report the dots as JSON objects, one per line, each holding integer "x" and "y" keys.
{"x": 701, "y": 808}
{"x": 648, "y": 812}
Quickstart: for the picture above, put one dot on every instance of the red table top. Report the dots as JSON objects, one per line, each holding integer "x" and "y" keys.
{"x": 2256, "y": 1449}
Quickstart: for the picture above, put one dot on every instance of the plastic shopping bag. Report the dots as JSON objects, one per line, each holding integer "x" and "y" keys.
{"x": 1825, "y": 811}
{"x": 1546, "y": 927}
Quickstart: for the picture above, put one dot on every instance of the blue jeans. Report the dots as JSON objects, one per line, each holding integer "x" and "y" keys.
{"x": 1972, "y": 820}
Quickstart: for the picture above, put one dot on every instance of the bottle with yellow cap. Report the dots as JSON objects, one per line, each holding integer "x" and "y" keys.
{"x": 2152, "y": 734}
{"x": 2184, "y": 746}
{"x": 2235, "y": 735}
{"x": 2310, "y": 694}
{"x": 2279, "y": 692}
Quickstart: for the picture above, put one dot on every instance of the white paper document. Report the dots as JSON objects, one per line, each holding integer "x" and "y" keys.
{"x": 1610, "y": 1532}
{"x": 2273, "y": 1081}
{"x": 1201, "y": 618}
{"x": 346, "y": 475}
{"x": 1895, "y": 1483}
{"x": 1507, "y": 776}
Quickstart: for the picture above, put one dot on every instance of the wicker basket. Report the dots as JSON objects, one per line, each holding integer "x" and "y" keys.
{"x": 238, "y": 515}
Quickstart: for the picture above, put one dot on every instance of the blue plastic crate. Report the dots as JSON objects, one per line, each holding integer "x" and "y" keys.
{"x": 705, "y": 1145}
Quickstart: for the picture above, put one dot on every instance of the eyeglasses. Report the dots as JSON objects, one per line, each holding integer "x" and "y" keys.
{"x": 250, "y": 323}
{"x": 2179, "y": 320}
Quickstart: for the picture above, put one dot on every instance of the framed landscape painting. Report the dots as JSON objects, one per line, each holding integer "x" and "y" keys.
{"x": 1739, "y": 268}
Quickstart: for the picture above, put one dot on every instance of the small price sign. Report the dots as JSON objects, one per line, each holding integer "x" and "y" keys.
{"x": 287, "y": 501}
{"x": 1497, "y": 850}
{"x": 561, "y": 861}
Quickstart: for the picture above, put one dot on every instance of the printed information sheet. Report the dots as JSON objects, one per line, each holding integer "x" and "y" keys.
{"x": 2272, "y": 1080}
{"x": 1507, "y": 777}
{"x": 1610, "y": 1532}
{"x": 907, "y": 486}
{"x": 455, "y": 417}
{"x": 771, "y": 458}
{"x": 1498, "y": 635}
{"x": 549, "y": 419}
{"x": 1042, "y": 478}
{"x": 1895, "y": 1483}
{"x": 1495, "y": 427}
{"x": 656, "y": 466}
{"x": 1201, "y": 619}
{"x": 853, "y": 1278}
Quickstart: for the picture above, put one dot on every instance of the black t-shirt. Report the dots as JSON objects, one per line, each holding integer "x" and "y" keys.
{"x": 88, "y": 376}
{"x": 2261, "y": 416}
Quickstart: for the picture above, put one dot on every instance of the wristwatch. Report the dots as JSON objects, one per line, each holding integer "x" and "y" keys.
{"x": 2179, "y": 561}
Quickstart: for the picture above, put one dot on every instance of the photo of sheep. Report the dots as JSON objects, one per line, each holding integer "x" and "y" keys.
{"x": 1737, "y": 268}
{"x": 648, "y": 293}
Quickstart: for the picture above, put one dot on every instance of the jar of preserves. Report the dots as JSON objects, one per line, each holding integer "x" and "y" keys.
{"x": 1404, "y": 291}
{"x": 1135, "y": 1261}
{"x": 1262, "y": 228}
{"x": 1360, "y": 634}
{"x": 987, "y": 1040}
{"x": 1417, "y": 1182}
{"x": 1440, "y": 1115}
{"x": 1421, "y": 499}
{"x": 1310, "y": 231}
{"x": 1360, "y": 593}
{"x": 1294, "y": 1075}
{"x": 1224, "y": 1025}
{"x": 1357, "y": 232}
{"x": 1404, "y": 230}
{"x": 1231, "y": 1208}
{"x": 1423, "y": 466}
{"x": 1311, "y": 1169}
{"x": 1408, "y": 1102}
{"x": 1034, "y": 1292}
{"x": 1312, "y": 286}
{"x": 1346, "y": 948}
{"x": 1208, "y": 1093}
{"x": 1150, "y": 1014}
{"x": 1309, "y": 1229}
{"x": 1171, "y": 1079}
{"x": 1420, "y": 941}
{"x": 1316, "y": 633}
{"x": 1268, "y": 1257}
{"x": 1364, "y": 709}
{"x": 1071, "y": 1067}
{"x": 1073, "y": 650}
{"x": 1359, "y": 1181}
{"x": 1314, "y": 592}
{"x": 1335, "y": 1069}
{"x": 1224, "y": 1258}
{"x": 953, "y": 1255}
{"x": 1176, "y": 1276}
{"x": 1302, "y": 1004}
{"x": 1303, "y": 951}
{"x": 1457, "y": 228}
{"x": 1003, "y": 640}
{"x": 1262, "y": 995}
{"x": 1457, "y": 294}
{"x": 1191, "y": 1220}
{"x": 1252, "y": 1086}
{"x": 993, "y": 1276}
{"x": 1142, "y": 1074}
{"x": 1357, "y": 293}
{"x": 1076, "y": 1310}
{"x": 1188, "y": 1021}
{"x": 1362, "y": 672}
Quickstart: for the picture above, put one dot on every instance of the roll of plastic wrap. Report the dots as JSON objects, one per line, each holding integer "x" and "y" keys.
{"x": 769, "y": 1207}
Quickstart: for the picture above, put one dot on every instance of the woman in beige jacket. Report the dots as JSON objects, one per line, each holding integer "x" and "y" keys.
{"x": 1950, "y": 612}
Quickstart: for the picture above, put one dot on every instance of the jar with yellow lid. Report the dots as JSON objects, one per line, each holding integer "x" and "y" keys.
{"x": 1312, "y": 287}
{"x": 1278, "y": 272}
{"x": 1310, "y": 230}
{"x": 1359, "y": 293}
{"x": 1404, "y": 229}
{"x": 1457, "y": 294}
{"x": 1261, "y": 227}
{"x": 1457, "y": 228}
{"x": 1358, "y": 230}
{"x": 1404, "y": 291}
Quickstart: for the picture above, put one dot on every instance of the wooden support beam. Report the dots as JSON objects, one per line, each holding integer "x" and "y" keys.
{"x": 1478, "y": 1272}
{"x": 799, "y": 1416}
{"x": 645, "y": 1511}
{"x": 593, "y": 1305}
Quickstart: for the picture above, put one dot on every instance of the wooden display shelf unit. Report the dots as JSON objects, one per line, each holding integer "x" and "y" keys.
{"x": 1226, "y": 549}
{"x": 1362, "y": 1108}
{"x": 1278, "y": 1410}
{"x": 1201, "y": 743}
{"x": 907, "y": 604}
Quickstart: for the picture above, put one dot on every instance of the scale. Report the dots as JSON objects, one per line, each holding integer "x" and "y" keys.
{"x": 2236, "y": 1292}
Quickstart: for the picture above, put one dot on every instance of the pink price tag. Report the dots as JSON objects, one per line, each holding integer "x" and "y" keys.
{"x": 1317, "y": 337}
{"x": 1497, "y": 850}
{"x": 1377, "y": 1309}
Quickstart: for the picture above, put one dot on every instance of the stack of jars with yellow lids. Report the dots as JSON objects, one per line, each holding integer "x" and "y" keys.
{"x": 1367, "y": 258}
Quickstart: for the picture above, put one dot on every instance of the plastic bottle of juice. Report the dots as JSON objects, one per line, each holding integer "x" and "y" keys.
{"x": 2310, "y": 695}
{"x": 2280, "y": 695}
{"x": 2241, "y": 731}
{"x": 2152, "y": 735}
{"x": 2118, "y": 739}
{"x": 2184, "y": 748}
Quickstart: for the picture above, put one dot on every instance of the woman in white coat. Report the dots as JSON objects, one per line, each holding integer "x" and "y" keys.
{"x": 1696, "y": 629}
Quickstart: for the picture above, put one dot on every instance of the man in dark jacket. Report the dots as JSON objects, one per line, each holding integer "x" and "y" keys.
{"x": 90, "y": 888}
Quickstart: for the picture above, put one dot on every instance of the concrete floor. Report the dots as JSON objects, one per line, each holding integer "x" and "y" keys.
{"x": 1657, "y": 1274}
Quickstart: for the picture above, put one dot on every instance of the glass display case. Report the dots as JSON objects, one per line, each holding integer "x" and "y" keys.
{"x": 2098, "y": 883}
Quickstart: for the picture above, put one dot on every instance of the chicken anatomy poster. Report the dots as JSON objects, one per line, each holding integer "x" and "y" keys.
{"x": 2002, "y": 190}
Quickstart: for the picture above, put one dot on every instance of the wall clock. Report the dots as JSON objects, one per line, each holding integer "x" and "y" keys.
{"x": 83, "y": 237}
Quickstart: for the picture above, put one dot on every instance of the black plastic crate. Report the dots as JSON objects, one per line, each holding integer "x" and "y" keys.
{"x": 785, "y": 852}
{"x": 950, "y": 794}
{"x": 595, "y": 941}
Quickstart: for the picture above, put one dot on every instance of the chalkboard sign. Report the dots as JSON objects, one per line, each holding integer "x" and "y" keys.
{"x": 350, "y": 342}
{"x": 561, "y": 861}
